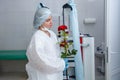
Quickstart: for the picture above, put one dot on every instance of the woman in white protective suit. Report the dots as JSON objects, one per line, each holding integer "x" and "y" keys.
{"x": 43, "y": 53}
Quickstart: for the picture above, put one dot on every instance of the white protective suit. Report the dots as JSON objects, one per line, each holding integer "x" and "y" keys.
{"x": 44, "y": 62}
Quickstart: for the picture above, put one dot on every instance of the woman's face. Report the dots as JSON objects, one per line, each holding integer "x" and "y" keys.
{"x": 48, "y": 22}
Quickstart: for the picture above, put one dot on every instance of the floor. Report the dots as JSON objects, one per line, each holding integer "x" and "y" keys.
{"x": 23, "y": 75}
{"x": 13, "y": 76}
{"x": 98, "y": 74}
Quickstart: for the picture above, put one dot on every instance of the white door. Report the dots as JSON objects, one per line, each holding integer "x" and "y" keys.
{"x": 113, "y": 39}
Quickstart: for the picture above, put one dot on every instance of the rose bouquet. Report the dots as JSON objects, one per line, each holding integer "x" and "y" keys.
{"x": 65, "y": 43}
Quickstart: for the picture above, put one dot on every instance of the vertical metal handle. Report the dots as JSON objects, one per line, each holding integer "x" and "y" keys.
{"x": 107, "y": 54}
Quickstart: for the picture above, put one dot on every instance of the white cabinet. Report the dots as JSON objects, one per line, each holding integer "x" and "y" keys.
{"x": 88, "y": 58}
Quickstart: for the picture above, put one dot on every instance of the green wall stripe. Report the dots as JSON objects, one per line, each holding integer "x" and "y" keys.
{"x": 13, "y": 55}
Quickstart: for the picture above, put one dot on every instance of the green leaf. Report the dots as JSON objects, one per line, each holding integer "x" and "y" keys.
{"x": 74, "y": 51}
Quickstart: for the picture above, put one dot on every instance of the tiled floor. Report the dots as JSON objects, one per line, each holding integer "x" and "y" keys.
{"x": 23, "y": 75}
{"x": 98, "y": 74}
{"x": 16, "y": 76}
{"x": 13, "y": 76}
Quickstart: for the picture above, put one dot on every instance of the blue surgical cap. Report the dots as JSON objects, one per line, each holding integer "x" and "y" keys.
{"x": 41, "y": 15}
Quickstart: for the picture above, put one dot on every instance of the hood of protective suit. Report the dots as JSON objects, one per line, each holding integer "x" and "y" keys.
{"x": 41, "y": 15}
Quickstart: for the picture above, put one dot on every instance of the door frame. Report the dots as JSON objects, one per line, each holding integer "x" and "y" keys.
{"x": 107, "y": 73}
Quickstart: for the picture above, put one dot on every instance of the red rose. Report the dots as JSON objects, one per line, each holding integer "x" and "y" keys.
{"x": 62, "y": 27}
